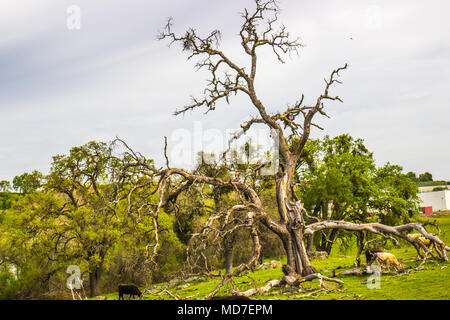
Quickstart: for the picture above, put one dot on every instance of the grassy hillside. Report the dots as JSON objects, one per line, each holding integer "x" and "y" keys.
{"x": 430, "y": 283}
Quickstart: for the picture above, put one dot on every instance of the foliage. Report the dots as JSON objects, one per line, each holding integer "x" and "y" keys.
{"x": 7, "y": 199}
{"x": 28, "y": 244}
{"x": 396, "y": 200}
{"x": 425, "y": 177}
{"x": 82, "y": 216}
{"x": 412, "y": 176}
{"x": 95, "y": 215}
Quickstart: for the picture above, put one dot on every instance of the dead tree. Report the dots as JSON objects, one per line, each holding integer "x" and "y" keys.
{"x": 260, "y": 29}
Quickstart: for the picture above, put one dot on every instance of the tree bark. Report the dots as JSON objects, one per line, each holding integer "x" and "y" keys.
{"x": 330, "y": 241}
{"x": 290, "y": 227}
{"x": 310, "y": 244}
{"x": 360, "y": 242}
{"x": 292, "y": 218}
{"x": 228, "y": 259}
{"x": 94, "y": 282}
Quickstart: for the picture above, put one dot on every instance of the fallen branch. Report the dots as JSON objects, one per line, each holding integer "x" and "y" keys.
{"x": 289, "y": 279}
{"x": 321, "y": 279}
{"x": 169, "y": 293}
{"x": 383, "y": 230}
{"x": 312, "y": 294}
{"x": 266, "y": 288}
{"x": 356, "y": 271}
{"x": 189, "y": 297}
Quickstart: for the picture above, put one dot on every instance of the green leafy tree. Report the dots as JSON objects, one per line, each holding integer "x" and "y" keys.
{"x": 396, "y": 199}
{"x": 98, "y": 213}
{"x": 5, "y": 186}
{"x": 7, "y": 199}
{"x": 30, "y": 245}
{"x": 338, "y": 184}
{"x": 412, "y": 176}
{"x": 28, "y": 182}
{"x": 95, "y": 212}
{"x": 343, "y": 183}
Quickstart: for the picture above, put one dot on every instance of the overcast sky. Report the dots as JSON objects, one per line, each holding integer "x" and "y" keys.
{"x": 61, "y": 88}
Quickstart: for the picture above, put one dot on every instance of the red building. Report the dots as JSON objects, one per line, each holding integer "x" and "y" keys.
{"x": 427, "y": 210}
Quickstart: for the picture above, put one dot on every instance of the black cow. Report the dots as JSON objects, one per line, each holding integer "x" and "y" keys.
{"x": 230, "y": 298}
{"x": 129, "y": 289}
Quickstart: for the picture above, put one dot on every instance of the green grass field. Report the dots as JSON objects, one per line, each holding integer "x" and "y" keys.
{"x": 431, "y": 283}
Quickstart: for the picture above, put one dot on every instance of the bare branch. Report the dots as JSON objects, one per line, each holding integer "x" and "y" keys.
{"x": 318, "y": 107}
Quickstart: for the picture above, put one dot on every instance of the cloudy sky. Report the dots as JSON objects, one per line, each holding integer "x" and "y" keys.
{"x": 61, "y": 88}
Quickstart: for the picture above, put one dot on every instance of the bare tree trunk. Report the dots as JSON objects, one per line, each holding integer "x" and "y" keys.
{"x": 291, "y": 226}
{"x": 94, "y": 282}
{"x": 360, "y": 242}
{"x": 228, "y": 240}
{"x": 310, "y": 244}
{"x": 330, "y": 241}
{"x": 327, "y": 241}
{"x": 292, "y": 217}
{"x": 307, "y": 268}
{"x": 323, "y": 242}
{"x": 228, "y": 259}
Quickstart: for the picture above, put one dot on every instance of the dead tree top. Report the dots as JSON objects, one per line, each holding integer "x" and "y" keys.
{"x": 260, "y": 28}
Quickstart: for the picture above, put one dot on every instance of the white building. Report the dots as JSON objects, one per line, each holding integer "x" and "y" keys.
{"x": 438, "y": 200}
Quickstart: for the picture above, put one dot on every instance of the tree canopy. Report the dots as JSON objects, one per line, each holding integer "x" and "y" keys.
{"x": 338, "y": 180}
{"x": 5, "y": 186}
{"x": 28, "y": 182}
